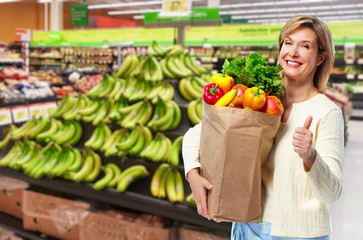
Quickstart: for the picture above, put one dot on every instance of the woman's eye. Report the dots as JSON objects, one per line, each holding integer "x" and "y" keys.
{"x": 287, "y": 43}
{"x": 306, "y": 46}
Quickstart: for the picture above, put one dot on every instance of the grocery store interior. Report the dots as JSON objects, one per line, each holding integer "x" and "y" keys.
{"x": 96, "y": 96}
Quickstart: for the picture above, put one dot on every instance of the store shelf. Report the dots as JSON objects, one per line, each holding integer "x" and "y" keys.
{"x": 129, "y": 199}
{"x": 16, "y": 225}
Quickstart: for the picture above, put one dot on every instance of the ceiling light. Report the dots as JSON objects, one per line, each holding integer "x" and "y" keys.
{"x": 9, "y": 1}
{"x": 273, "y": 3}
{"x": 129, "y": 4}
{"x": 138, "y": 16}
{"x": 131, "y": 11}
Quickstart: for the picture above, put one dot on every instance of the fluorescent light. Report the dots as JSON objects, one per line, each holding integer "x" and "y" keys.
{"x": 48, "y": 1}
{"x": 131, "y": 11}
{"x": 9, "y": 1}
{"x": 272, "y": 3}
{"x": 129, "y": 4}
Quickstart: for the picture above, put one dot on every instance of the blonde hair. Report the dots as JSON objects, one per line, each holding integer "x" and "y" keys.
{"x": 325, "y": 43}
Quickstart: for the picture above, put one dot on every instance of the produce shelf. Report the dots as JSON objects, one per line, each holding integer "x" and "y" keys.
{"x": 130, "y": 199}
{"x": 16, "y": 225}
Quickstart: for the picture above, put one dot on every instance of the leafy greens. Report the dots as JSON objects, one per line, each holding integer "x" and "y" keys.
{"x": 255, "y": 71}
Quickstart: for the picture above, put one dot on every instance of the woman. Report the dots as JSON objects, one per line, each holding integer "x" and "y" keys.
{"x": 302, "y": 175}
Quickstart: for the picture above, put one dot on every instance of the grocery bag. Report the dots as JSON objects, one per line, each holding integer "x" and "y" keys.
{"x": 234, "y": 144}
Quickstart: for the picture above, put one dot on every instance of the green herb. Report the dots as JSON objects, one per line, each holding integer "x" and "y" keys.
{"x": 255, "y": 71}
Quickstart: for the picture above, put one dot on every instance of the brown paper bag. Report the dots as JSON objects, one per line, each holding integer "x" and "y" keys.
{"x": 234, "y": 144}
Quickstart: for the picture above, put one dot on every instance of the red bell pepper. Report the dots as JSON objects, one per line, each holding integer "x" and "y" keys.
{"x": 212, "y": 93}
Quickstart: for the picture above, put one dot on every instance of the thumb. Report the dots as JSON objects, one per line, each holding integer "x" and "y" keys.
{"x": 308, "y": 121}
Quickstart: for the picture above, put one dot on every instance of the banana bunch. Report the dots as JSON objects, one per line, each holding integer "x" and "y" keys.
{"x": 110, "y": 147}
{"x": 163, "y": 90}
{"x": 110, "y": 178}
{"x": 67, "y": 103}
{"x": 156, "y": 50}
{"x": 104, "y": 88}
{"x": 129, "y": 64}
{"x": 167, "y": 183}
{"x": 70, "y": 132}
{"x": 189, "y": 199}
{"x": 192, "y": 87}
{"x": 174, "y": 156}
{"x": 136, "y": 90}
{"x": 68, "y": 160}
{"x": 18, "y": 133}
{"x": 167, "y": 116}
{"x": 138, "y": 113}
{"x": 191, "y": 65}
{"x": 173, "y": 68}
{"x": 97, "y": 111}
{"x": 194, "y": 111}
{"x": 54, "y": 126}
{"x": 89, "y": 170}
{"x": 115, "y": 116}
{"x": 152, "y": 70}
{"x": 19, "y": 151}
{"x": 131, "y": 175}
{"x": 97, "y": 139}
{"x": 73, "y": 114}
{"x": 159, "y": 148}
{"x": 7, "y": 138}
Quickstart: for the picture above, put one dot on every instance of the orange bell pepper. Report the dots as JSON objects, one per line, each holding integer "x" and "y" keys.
{"x": 254, "y": 98}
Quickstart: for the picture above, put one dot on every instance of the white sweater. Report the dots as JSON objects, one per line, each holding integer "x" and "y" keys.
{"x": 296, "y": 202}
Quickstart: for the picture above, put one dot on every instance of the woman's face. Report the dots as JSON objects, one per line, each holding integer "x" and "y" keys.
{"x": 299, "y": 55}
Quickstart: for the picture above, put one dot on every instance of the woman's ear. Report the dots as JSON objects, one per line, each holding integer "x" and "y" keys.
{"x": 322, "y": 57}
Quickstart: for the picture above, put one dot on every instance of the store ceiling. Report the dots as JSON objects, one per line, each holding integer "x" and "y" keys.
{"x": 255, "y": 11}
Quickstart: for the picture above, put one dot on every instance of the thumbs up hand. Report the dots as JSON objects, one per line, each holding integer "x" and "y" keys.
{"x": 302, "y": 140}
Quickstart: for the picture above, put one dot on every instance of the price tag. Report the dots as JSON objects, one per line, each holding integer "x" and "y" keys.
{"x": 5, "y": 116}
{"x": 271, "y": 60}
{"x": 36, "y": 110}
{"x": 20, "y": 114}
{"x": 49, "y": 108}
{"x": 349, "y": 61}
{"x": 360, "y": 76}
{"x": 360, "y": 61}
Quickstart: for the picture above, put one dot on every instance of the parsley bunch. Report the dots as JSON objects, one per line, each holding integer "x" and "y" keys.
{"x": 255, "y": 71}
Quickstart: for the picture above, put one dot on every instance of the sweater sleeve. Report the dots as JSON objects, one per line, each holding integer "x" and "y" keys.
{"x": 325, "y": 176}
{"x": 190, "y": 148}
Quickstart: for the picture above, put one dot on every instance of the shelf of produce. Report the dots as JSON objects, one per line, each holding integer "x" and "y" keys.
{"x": 16, "y": 225}
{"x": 129, "y": 199}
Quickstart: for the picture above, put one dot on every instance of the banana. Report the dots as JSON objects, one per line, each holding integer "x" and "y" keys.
{"x": 35, "y": 154}
{"x": 130, "y": 175}
{"x": 31, "y": 165}
{"x": 199, "y": 108}
{"x": 139, "y": 144}
{"x": 167, "y": 74}
{"x": 77, "y": 135}
{"x": 97, "y": 88}
{"x": 187, "y": 60}
{"x": 65, "y": 133}
{"x": 115, "y": 114}
{"x": 183, "y": 90}
{"x": 113, "y": 150}
{"x": 195, "y": 93}
{"x": 105, "y": 180}
{"x": 227, "y": 98}
{"x": 23, "y": 155}
{"x": 66, "y": 104}
{"x": 42, "y": 166}
{"x": 93, "y": 138}
{"x": 6, "y": 140}
{"x": 164, "y": 150}
{"x": 160, "y": 110}
{"x": 197, "y": 85}
{"x": 171, "y": 191}
{"x": 142, "y": 116}
{"x": 180, "y": 65}
{"x": 85, "y": 170}
{"x": 156, "y": 179}
{"x": 20, "y": 132}
{"x": 152, "y": 148}
{"x": 110, "y": 83}
{"x": 53, "y": 128}
{"x": 174, "y": 156}
{"x": 130, "y": 140}
{"x": 92, "y": 107}
{"x": 179, "y": 185}
{"x": 116, "y": 88}
{"x": 57, "y": 158}
{"x": 97, "y": 163}
{"x": 110, "y": 141}
{"x": 4, "y": 162}
{"x": 100, "y": 138}
{"x": 164, "y": 121}
{"x": 42, "y": 124}
{"x": 192, "y": 113}
{"x": 130, "y": 108}
{"x": 116, "y": 174}
{"x": 102, "y": 112}
{"x": 146, "y": 114}
{"x": 126, "y": 65}
{"x": 77, "y": 160}
{"x": 137, "y": 72}
{"x": 189, "y": 199}
{"x": 177, "y": 115}
{"x": 158, "y": 72}
{"x": 174, "y": 69}
{"x": 175, "y": 50}
{"x": 65, "y": 160}
{"x": 134, "y": 63}
{"x": 163, "y": 181}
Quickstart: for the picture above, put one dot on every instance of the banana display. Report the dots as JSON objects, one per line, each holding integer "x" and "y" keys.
{"x": 194, "y": 111}
{"x": 167, "y": 183}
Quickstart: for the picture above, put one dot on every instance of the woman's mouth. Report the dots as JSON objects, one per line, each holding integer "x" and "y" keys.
{"x": 293, "y": 63}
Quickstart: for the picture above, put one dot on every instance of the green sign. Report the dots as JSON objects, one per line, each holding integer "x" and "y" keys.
{"x": 79, "y": 14}
{"x": 55, "y": 36}
{"x": 226, "y": 18}
{"x": 196, "y": 14}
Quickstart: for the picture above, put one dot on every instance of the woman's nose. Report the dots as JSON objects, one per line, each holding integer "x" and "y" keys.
{"x": 293, "y": 52}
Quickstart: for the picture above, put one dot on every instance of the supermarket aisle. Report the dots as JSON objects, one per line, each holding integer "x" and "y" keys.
{"x": 346, "y": 213}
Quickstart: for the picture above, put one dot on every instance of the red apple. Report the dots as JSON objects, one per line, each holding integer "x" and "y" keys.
{"x": 237, "y": 101}
{"x": 273, "y": 105}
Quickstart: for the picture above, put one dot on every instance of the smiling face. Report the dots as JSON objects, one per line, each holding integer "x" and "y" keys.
{"x": 299, "y": 55}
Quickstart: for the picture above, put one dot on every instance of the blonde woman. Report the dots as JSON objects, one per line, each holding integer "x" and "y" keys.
{"x": 302, "y": 175}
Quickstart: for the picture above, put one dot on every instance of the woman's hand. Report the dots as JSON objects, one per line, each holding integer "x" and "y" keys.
{"x": 302, "y": 140}
{"x": 199, "y": 186}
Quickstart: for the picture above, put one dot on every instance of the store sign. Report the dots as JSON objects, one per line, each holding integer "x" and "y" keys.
{"x": 55, "y": 36}
{"x": 20, "y": 113}
{"x": 79, "y": 14}
{"x": 22, "y": 34}
{"x": 195, "y": 15}
{"x": 172, "y": 8}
